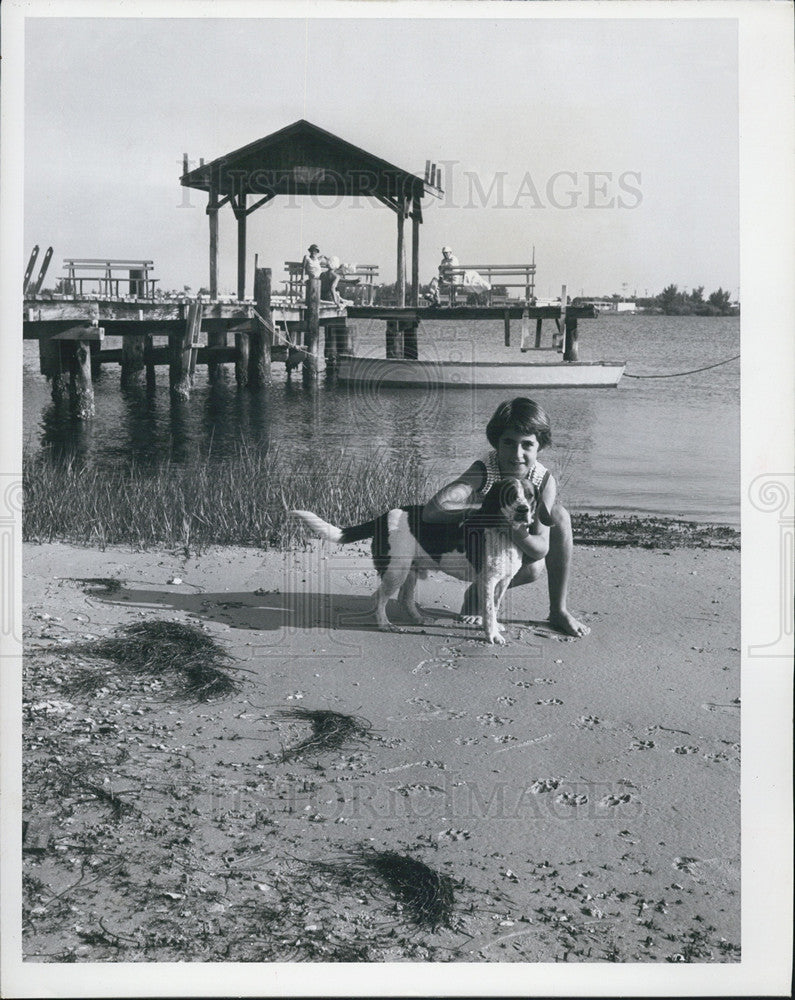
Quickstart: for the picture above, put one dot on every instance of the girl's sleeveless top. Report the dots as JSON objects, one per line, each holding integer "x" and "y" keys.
{"x": 538, "y": 475}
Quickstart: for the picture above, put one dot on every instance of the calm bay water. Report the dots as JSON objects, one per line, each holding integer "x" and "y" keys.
{"x": 663, "y": 446}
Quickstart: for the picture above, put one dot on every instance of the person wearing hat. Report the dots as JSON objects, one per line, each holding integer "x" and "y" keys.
{"x": 445, "y": 277}
{"x": 313, "y": 262}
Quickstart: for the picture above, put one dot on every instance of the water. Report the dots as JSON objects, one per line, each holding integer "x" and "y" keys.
{"x": 668, "y": 447}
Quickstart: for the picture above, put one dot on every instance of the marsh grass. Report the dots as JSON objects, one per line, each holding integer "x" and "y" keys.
{"x": 242, "y": 499}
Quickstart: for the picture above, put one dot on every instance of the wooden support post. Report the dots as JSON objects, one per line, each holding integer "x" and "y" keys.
{"x": 180, "y": 350}
{"x": 562, "y": 322}
{"x": 401, "y": 254}
{"x": 81, "y": 390}
{"x": 346, "y": 340}
{"x": 52, "y": 364}
{"x": 259, "y": 361}
{"x": 571, "y": 349}
{"x": 415, "y": 255}
{"x": 151, "y": 378}
{"x": 312, "y": 331}
{"x": 330, "y": 347}
{"x": 96, "y": 363}
{"x": 215, "y": 370}
{"x": 241, "y": 246}
{"x": 242, "y": 358}
{"x": 506, "y": 319}
{"x": 132, "y": 361}
{"x": 410, "y": 348}
{"x": 212, "y": 211}
{"x": 394, "y": 339}
{"x": 538, "y": 332}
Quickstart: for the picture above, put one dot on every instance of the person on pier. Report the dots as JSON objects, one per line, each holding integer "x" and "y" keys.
{"x": 329, "y": 279}
{"x": 517, "y": 431}
{"x": 445, "y": 279}
{"x": 313, "y": 263}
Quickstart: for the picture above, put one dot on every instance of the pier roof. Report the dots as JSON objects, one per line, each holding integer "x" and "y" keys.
{"x": 303, "y": 159}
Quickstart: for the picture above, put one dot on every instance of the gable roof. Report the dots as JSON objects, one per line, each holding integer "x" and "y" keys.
{"x": 303, "y": 159}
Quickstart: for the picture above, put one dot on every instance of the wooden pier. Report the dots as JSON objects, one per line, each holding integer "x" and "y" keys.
{"x": 71, "y": 332}
{"x": 251, "y": 334}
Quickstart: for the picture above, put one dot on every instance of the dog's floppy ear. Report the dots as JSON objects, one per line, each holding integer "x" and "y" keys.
{"x": 492, "y": 504}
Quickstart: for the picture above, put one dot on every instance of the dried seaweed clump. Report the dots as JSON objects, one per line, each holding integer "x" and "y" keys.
{"x": 426, "y": 894}
{"x": 330, "y": 730}
{"x": 164, "y": 648}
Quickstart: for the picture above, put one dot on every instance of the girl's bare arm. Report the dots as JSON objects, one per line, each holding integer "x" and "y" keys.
{"x": 456, "y": 499}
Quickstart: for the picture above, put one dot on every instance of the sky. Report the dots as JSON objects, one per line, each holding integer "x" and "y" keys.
{"x": 609, "y": 146}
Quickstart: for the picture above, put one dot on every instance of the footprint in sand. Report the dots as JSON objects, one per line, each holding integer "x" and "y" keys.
{"x": 490, "y": 719}
{"x": 506, "y": 700}
{"x": 587, "y": 722}
{"x": 571, "y": 799}
{"x": 533, "y": 682}
{"x": 643, "y": 744}
{"x": 615, "y": 800}
{"x": 544, "y": 785}
{"x": 732, "y": 709}
{"x": 549, "y": 701}
{"x": 685, "y": 864}
{"x": 685, "y": 750}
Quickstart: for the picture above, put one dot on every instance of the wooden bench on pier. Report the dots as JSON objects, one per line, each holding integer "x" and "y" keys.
{"x": 359, "y": 277}
{"x": 108, "y": 277}
{"x": 520, "y": 276}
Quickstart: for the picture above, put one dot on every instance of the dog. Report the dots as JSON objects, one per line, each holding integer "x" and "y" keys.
{"x": 405, "y": 547}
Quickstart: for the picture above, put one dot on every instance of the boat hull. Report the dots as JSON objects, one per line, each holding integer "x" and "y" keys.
{"x": 480, "y": 374}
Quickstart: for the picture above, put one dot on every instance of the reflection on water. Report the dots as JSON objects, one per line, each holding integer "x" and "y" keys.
{"x": 663, "y": 446}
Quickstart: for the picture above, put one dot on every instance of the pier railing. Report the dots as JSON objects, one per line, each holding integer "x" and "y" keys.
{"x": 137, "y": 278}
{"x": 358, "y": 281}
{"x": 520, "y": 276}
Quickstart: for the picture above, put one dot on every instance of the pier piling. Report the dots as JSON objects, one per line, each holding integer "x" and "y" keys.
{"x": 151, "y": 379}
{"x": 259, "y": 361}
{"x": 571, "y": 351}
{"x": 312, "y": 335}
{"x": 242, "y": 352}
{"x": 180, "y": 351}
{"x": 410, "y": 348}
{"x": 132, "y": 359}
{"x": 394, "y": 339}
{"x": 81, "y": 389}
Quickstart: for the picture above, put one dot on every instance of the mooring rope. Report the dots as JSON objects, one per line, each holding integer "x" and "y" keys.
{"x": 691, "y": 372}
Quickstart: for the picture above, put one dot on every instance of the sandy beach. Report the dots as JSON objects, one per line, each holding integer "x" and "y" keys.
{"x": 581, "y": 796}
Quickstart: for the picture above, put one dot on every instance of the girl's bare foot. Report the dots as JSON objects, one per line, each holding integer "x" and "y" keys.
{"x": 565, "y": 622}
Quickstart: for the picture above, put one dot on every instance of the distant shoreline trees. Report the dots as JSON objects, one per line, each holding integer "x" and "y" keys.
{"x": 672, "y": 302}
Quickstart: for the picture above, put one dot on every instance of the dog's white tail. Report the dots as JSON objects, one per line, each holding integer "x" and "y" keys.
{"x": 318, "y": 525}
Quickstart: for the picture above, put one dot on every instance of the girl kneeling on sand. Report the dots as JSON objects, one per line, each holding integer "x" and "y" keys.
{"x": 517, "y": 432}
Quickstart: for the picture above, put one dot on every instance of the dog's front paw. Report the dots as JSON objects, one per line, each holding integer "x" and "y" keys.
{"x": 496, "y": 636}
{"x": 389, "y": 627}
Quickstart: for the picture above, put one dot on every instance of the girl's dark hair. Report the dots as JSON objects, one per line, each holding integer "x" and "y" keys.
{"x": 522, "y": 415}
